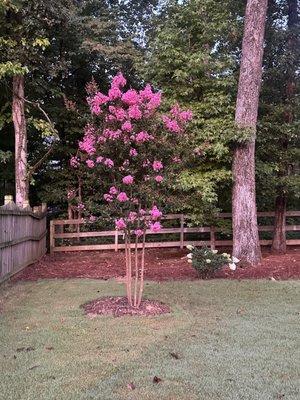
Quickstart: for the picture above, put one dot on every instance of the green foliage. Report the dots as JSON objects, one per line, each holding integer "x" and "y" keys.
{"x": 278, "y": 143}
{"x": 192, "y": 58}
{"x": 207, "y": 262}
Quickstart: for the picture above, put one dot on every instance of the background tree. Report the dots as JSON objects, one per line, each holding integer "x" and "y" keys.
{"x": 278, "y": 139}
{"x": 192, "y": 56}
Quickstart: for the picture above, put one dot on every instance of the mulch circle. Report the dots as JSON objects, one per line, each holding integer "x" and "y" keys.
{"x": 118, "y": 307}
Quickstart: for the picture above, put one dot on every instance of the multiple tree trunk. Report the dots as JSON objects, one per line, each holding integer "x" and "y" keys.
{"x": 245, "y": 232}
{"x": 18, "y": 114}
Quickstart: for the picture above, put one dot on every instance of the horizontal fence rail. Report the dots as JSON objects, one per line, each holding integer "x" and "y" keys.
{"x": 63, "y": 233}
{"x": 22, "y": 236}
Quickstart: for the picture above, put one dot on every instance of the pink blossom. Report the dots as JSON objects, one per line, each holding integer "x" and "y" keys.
{"x": 171, "y": 124}
{"x": 122, "y": 197}
{"x": 159, "y": 178}
{"x": 186, "y": 116}
{"x": 134, "y": 112}
{"x": 118, "y": 112}
{"x": 90, "y": 163}
{"x": 157, "y": 165}
{"x": 142, "y": 137}
{"x": 155, "y": 213}
{"x": 99, "y": 159}
{"x": 155, "y": 227}
{"x": 127, "y": 127}
{"x": 113, "y": 190}
{"x": 88, "y": 143}
{"x": 130, "y": 97}
{"x": 138, "y": 232}
{"x": 146, "y": 163}
{"x": 96, "y": 102}
{"x": 80, "y": 207}
{"x": 92, "y": 218}
{"x": 120, "y": 224}
{"x": 119, "y": 80}
{"x": 114, "y": 93}
{"x": 133, "y": 152}
{"x": 132, "y": 216}
{"x": 128, "y": 180}
{"x": 108, "y": 197}
{"x": 74, "y": 162}
{"x": 108, "y": 162}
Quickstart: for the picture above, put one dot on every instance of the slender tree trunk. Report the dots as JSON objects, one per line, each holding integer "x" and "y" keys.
{"x": 18, "y": 114}
{"x": 279, "y": 237}
{"x": 279, "y": 242}
{"x": 244, "y": 216}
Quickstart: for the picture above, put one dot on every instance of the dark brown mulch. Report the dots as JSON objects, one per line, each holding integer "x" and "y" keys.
{"x": 161, "y": 265}
{"x": 118, "y": 306}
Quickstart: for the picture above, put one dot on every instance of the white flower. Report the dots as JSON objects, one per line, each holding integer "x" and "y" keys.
{"x": 190, "y": 247}
{"x": 235, "y": 260}
{"x": 208, "y": 261}
{"x": 232, "y": 266}
{"x": 189, "y": 261}
{"x": 190, "y": 255}
{"x": 214, "y": 251}
{"x": 225, "y": 254}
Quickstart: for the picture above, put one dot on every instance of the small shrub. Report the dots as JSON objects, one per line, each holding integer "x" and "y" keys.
{"x": 207, "y": 262}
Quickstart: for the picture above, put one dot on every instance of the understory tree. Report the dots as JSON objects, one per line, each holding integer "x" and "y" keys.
{"x": 134, "y": 154}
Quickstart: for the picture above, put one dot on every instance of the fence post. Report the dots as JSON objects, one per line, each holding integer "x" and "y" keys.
{"x": 116, "y": 240}
{"x": 52, "y": 240}
{"x": 212, "y": 238}
{"x": 181, "y": 231}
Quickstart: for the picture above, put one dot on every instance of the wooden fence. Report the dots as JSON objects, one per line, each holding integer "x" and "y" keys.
{"x": 62, "y": 231}
{"x": 22, "y": 236}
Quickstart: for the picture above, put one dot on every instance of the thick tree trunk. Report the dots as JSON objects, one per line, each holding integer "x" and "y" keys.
{"x": 244, "y": 217}
{"x": 18, "y": 114}
{"x": 279, "y": 241}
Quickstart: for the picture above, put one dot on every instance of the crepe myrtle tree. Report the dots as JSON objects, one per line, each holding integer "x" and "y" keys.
{"x": 135, "y": 153}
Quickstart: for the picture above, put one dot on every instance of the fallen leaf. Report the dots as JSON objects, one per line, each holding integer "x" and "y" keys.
{"x": 174, "y": 355}
{"x": 156, "y": 379}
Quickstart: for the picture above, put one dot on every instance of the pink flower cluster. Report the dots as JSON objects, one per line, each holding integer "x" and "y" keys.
{"x": 178, "y": 119}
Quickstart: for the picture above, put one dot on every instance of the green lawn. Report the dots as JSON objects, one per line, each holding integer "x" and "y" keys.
{"x": 235, "y": 341}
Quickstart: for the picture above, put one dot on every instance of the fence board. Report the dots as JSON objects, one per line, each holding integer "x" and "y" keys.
{"x": 22, "y": 237}
{"x": 180, "y": 231}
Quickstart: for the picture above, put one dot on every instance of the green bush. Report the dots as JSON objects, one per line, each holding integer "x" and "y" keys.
{"x": 206, "y": 261}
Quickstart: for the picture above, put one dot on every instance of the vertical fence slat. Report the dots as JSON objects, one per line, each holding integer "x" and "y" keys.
{"x": 22, "y": 236}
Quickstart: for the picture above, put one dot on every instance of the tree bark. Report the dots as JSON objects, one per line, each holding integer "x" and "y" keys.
{"x": 244, "y": 216}
{"x": 18, "y": 114}
{"x": 279, "y": 241}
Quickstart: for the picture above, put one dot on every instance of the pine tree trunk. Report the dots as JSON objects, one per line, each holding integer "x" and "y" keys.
{"x": 18, "y": 114}
{"x": 279, "y": 239}
{"x": 244, "y": 217}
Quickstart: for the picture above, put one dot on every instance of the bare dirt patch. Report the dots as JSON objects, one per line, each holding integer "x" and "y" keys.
{"x": 118, "y": 306}
{"x": 160, "y": 265}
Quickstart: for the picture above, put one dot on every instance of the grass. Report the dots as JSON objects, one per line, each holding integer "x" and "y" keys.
{"x": 235, "y": 341}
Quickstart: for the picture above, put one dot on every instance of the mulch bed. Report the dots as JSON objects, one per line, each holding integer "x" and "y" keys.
{"x": 118, "y": 306}
{"x": 160, "y": 265}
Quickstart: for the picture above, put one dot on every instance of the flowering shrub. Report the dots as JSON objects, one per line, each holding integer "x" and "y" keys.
{"x": 131, "y": 148}
{"x": 206, "y": 261}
